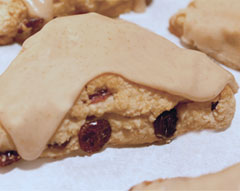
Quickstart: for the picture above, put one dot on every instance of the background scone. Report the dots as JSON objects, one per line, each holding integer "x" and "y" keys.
{"x": 212, "y": 27}
{"x": 106, "y": 83}
{"x": 227, "y": 179}
{"x": 21, "y": 18}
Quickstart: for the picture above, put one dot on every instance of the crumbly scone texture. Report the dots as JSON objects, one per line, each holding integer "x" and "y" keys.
{"x": 17, "y": 25}
{"x": 131, "y": 110}
{"x": 12, "y": 13}
{"x": 211, "y": 27}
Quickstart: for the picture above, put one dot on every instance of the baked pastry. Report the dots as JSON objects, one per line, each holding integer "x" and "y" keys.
{"x": 21, "y": 18}
{"x": 212, "y": 27}
{"x": 227, "y": 179}
{"x": 106, "y": 83}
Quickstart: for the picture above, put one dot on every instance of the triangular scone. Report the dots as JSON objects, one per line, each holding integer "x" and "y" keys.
{"x": 21, "y": 18}
{"x": 227, "y": 179}
{"x": 88, "y": 82}
{"x": 212, "y": 27}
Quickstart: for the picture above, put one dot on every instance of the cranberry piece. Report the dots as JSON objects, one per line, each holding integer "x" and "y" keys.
{"x": 93, "y": 135}
{"x": 214, "y": 105}
{"x": 20, "y": 31}
{"x": 80, "y": 12}
{"x": 99, "y": 96}
{"x": 35, "y": 23}
{"x": 91, "y": 118}
{"x": 59, "y": 146}
{"x": 165, "y": 124}
{"x": 8, "y": 157}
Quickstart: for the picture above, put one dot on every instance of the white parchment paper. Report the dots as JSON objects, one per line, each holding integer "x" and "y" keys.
{"x": 119, "y": 169}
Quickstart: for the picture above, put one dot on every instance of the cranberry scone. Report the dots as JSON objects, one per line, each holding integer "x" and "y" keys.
{"x": 106, "y": 83}
{"x": 227, "y": 179}
{"x": 21, "y": 18}
{"x": 212, "y": 27}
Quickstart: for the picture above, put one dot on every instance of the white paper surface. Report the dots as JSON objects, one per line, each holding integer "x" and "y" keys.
{"x": 119, "y": 169}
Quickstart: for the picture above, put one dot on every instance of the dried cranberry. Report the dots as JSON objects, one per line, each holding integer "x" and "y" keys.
{"x": 93, "y": 135}
{"x": 90, "y": 118}
{"x": 165, "y": 124}
{"x": 8, "y": 157}
{"x": 100, "y": 95}
{"x": 20, "y": 31}
{"x": 81, "y": 12}
{"x": 214, "y": 105}
{"x": 35, "y": 23}
{"x": 59, "y": 146}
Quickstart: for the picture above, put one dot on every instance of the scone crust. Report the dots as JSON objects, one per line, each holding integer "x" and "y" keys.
{"x": 131, "y": 110}
{"x": 227, "y": 179}
{"x": 222, "y": 43}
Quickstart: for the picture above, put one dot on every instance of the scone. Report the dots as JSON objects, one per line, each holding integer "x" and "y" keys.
{"x": 227, "y": 179}
{"x": 212, "y": 27}
{"x": 106, "y": 83}
{"x": 21, "y": 18}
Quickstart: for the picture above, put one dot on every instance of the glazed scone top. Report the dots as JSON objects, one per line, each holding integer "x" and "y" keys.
{"x": 227, "y": 179}
{"x": 214, "y": 26}
{"x": 43, "y": 82}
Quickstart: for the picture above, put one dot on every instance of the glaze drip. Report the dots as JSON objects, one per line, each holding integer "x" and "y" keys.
{"x": 40, "y": 8}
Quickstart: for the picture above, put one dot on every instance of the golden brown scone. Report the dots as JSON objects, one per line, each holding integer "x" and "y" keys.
{"x": 227, "y": 179}
{"x": 131, "y": 111}
{"x": 212, "y": 27}
{"x": 88, "y": 92}
{"x": 17, "y": 22}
